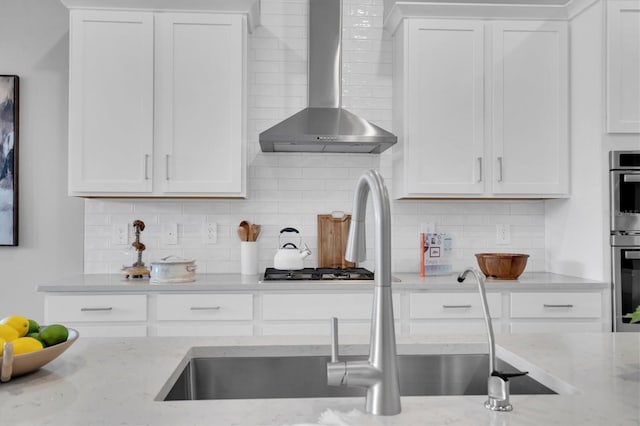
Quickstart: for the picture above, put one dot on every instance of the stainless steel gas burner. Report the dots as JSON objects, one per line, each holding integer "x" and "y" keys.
{"x": 346, "y": 274}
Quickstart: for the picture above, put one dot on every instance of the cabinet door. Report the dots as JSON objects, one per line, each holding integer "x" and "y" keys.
{"x": 199, "y": 98}
{"x": 444, "y": 95}
{"x": 623, "y": 66}
{"x": 110, "y": 101}
{"x": 530, "y": 107}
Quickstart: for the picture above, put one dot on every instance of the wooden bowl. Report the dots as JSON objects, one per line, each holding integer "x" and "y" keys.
{"x": 32, "y": 361}
{"x": 502, "y": 266}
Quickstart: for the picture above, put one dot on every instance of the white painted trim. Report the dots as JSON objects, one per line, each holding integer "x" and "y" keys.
{"x": 471, "y": 10}
{"x": 250, "y": 8}
{"x": 407, "y": 9}
{"x": 576, "y": 7}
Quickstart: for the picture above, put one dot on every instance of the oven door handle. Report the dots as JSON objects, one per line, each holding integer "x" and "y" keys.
{"x": 631, "y": 178}
{"x": 632, "y": 254}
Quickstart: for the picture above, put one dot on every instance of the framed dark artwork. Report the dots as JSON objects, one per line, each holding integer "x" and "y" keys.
{"x": 8, "y": 160}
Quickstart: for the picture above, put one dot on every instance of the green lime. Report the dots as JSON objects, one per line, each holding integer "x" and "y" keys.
{"x": 34, "y": 327}
{"x": 54, "y": 334}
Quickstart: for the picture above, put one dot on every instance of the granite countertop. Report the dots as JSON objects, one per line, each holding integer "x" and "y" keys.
{"x": 116, "y": 381}
{"x": 236, "y": 282}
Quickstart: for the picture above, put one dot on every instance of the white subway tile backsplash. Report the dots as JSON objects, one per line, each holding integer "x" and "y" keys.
{"x": 292, "y": 189}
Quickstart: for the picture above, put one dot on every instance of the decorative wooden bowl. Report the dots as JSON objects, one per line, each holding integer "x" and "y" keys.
{"x": 18, "y": 365}
{"x": 502, "y": 266}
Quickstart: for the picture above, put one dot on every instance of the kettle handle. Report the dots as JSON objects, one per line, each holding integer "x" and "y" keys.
{"x": 289, "y": 230}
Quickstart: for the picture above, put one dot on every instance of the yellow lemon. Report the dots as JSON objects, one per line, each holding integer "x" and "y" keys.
{"x": 54, "y": 334}
{"x": 21, "y": 324}
{"x": 23, "y": 345}
{"x": 2, "y": 342}
{"x": 8, "y": 333}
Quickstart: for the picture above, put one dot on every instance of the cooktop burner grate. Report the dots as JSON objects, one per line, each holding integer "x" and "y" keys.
{"x": 346, "y": 274}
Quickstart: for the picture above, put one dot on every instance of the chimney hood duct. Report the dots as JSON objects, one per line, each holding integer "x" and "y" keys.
{"x": 325, "y": 126}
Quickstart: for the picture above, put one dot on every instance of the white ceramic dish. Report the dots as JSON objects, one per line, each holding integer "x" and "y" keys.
{"x": 173, "y": 269}
{"x": 32, "y": 361}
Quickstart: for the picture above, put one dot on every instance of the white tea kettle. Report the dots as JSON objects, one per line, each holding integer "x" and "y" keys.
{"x": 289, "y": 257}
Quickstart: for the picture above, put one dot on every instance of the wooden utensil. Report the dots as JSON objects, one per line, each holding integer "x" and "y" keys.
{"x": 333, "y": 231}
{"x": 242, "y": 233}
{"x": 255, "y": 232}
{"x": 245, "y": 232}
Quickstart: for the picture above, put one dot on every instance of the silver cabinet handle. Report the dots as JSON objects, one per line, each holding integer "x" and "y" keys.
{"x": 146, "y": 167}
{"x": 479, "y": 169}
{"x": 456, "y": 306}
{"x": 631, "y": 178}
{"x": 632, "y": 255}
{"x": 205, "y": 308}
{"x": 166, "y": 165}
{"x": 499, "y": 169}
{"x": 557, "y": 306}
{"x": 105, "y": 308}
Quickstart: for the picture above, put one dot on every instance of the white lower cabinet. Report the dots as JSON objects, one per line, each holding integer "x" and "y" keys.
{"x": 556, "y": 311}
{"x": 446, "y": 313}
{"x": 259, "y": 312}
{"x": 309, "y": 314}
{"x": 108, "y": 315}
{"x": 204, "y": 315}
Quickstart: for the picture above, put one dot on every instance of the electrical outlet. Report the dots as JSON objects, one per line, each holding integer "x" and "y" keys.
{"x": 120, "y": 234}
{"x": 210, "y": 233}
{"x": 503, "y": 234}
{"x": 170, "y": 233}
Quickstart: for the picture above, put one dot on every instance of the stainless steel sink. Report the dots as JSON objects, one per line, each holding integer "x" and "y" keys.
{"x": 304, "y": 376}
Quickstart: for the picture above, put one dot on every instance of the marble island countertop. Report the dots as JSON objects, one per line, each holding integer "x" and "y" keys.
{"x": 236, "y": 282}
{"x": 116, "y": 381}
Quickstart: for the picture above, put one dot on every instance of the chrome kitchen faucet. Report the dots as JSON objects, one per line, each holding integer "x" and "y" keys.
{"x": 498, "y": 382}
{"x": 379, "y": 374}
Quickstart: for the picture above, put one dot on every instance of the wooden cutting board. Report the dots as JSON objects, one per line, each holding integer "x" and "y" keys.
{"x": 333, "y": 232}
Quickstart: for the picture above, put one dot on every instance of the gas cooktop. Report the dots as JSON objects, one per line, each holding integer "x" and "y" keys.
{"x": 346, "y": 274}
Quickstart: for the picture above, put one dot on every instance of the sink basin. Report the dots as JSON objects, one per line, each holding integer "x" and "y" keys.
{"x": 305, "y": 376}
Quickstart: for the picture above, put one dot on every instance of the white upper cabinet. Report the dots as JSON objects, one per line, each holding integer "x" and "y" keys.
{"x": 110, "y": 102}
{"x": 439, "y": 107}
{"x": 530, "y": 111}
{"x": 157, "y": 103}
{"x": 199, "y": 103}
{"x": 480, "y": 108}
{"x": 623, "y": 66}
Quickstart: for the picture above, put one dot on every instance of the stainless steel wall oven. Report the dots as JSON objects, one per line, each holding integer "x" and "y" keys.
{"x": 625, "y": 236}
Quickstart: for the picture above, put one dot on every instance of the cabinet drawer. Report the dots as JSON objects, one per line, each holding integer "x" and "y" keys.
{"x": 320, "y": 306}
{"x": 556, "y": 305}
{"x": 453, "y": 305}
{"x": 111, "y": 330}
{"x": 466, "y": 326}
{"x": 95, "y": 308}
{"x": 556, "y": 327}
{"x": 195, "y": 307}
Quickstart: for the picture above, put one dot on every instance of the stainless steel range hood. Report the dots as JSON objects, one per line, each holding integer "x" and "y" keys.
{"x": 325, "y": 126}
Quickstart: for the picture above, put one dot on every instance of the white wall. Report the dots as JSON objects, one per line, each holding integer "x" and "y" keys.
{"x": 34, "y": 45}
{"x": 291, "y": 189}
{"x": 576, "y": 239}
{"x": 577, "y": 229}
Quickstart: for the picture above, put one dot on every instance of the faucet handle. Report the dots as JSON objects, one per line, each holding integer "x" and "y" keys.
{"x": 507, "y": 376}
{"x": 334, "y": 339}
{"x": 498, "y": 390}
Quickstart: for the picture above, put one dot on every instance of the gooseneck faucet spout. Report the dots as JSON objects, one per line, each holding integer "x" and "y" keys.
{"x": 379, "y": 374}
{"x": 498, "y": 382}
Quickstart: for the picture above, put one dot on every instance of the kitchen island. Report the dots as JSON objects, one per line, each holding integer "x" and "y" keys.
{"x": 117, "y": 380}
